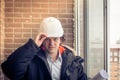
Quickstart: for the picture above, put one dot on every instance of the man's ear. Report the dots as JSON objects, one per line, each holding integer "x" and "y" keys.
{"x": 60, "y": 43}
{"x": 42, "y": 47}
{"x": 62, "y": 38}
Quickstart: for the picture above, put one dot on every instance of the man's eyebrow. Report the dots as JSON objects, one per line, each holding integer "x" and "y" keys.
{"x": 47, "y": 38}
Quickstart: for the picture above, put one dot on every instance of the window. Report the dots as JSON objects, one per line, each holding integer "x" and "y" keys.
{"x": 93, "y": 34}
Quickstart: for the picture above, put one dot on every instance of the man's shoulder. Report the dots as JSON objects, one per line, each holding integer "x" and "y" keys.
{"x": 70, "y": 50}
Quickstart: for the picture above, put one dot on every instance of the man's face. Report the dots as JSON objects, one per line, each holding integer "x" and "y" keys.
{"x": 52, "y": 44}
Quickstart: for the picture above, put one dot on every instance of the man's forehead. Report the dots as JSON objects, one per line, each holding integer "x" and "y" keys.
{"x": 52, "y": 37}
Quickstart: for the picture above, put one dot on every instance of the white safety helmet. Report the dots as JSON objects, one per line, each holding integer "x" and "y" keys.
{"x": 52, "y": 27}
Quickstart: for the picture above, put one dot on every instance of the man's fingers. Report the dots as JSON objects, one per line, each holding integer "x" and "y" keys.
{"x": 40, "y": 38}
{"x": 43, "y": 38}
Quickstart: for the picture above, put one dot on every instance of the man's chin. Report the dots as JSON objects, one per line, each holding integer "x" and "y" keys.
{"x": 52, "y": 51}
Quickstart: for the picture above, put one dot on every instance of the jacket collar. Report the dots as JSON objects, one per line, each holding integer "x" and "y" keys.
{"x": 61, "y": 49}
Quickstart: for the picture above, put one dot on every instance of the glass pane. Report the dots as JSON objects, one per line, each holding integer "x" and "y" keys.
{"x": 95, "y": 54}
{"x": 111, "y": 59}
{"x": 115, "y": 39}
{"x": 115, "y": 54}
{"x": 115, "y": 59}
{"x": 111, "y": 54}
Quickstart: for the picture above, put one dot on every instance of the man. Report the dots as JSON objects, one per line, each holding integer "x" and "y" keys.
{"x": 45, "y": 58}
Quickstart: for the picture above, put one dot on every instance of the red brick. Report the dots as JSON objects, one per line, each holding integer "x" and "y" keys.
{"x": 47, "y": 15}
{"x": 9, "y": 1}
{"x": 27, "y": 5}
{"x": 34, "y": 30}
{"x": 9, "y": 40}
{"x": 26, "y": 0}
{"x": 29, "y": 26}
{"x": 26, "y": 30}
{"x": 9, "y": 10}
{"x": 60, "y": 11}
{"x": 41, "y": 1}
{"x": 18, "y": 4}
{"x": 18, "y": 30}
{"x": 65, "y": 16}
{"x": 17, "y": 20}
{"x": 62, "y": 5}
{"x": 8, "y": 30}
{"x": 8, "y": 51}
{"x": 18, "y": 0}
{"x": 10, "y": 14}
{"x": 27, "y": 36}
{"x": 18, "y": 35}
{"x": 10, "y": 35}
{"x": 36, "y": 20}
{"x": 10, "y": 4}
{"x": 70, "y": 10}
{"x": 25, "y": 10}
{"x": 18, "y": 15}
{"x": 36, "y": 5}
{"x": 10, "y": 20}
{"x": 27, "y": 15}
{"x": 19, "y": 40}
{"x": 70, "y": 1}
{"x": 63, "y": 20}
{"x": 70, "y": 6}
{"x": 15, "y": 25}
{"x": 70, "y": 20}
{"x": 9, "y": 45}
{"x": 39, "y": 10}
{"x": 53, "y": 5}
{"x": 58, "y": 1}
{"x": 18, "y": 10}
{"x": 44, "y": 5}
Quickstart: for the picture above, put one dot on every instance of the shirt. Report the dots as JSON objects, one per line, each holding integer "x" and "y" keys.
{"x": 55, "y": 67}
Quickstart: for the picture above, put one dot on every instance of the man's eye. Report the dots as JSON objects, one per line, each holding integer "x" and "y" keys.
{"x": 55, "y": 39}
{"x": 47, "y": 39}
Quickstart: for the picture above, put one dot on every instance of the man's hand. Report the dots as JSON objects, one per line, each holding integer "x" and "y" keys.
{"x": 40, "y": 38}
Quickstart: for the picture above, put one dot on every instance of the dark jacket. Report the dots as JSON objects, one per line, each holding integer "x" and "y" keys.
{"x": 29, "y": 63}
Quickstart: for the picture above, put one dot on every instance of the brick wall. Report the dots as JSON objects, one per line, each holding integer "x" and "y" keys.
{"x": 22, "y": 19}
{"x": 1, "y": 35}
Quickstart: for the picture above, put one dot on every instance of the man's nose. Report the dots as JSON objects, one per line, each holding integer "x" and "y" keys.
{"x": 51, "y": 42}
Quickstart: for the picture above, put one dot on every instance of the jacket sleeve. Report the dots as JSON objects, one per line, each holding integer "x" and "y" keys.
{"x": 75, "y": 71}
{"x": 82, "y": 74}
{"x": 16, "y": 64}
